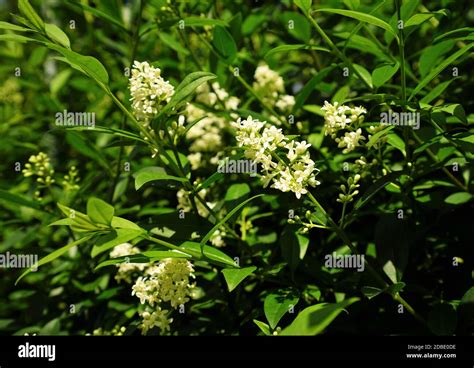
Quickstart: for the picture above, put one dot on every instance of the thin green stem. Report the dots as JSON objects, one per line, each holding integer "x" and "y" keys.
{"x": 336, "y": 50}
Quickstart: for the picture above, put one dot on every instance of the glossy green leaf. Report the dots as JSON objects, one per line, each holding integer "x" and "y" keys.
{"x": 234, "y": 276}
{"x": 210, "y": 253}
{"x": 277, "y": 304}
{"x": 458, "y": 198}
{"x": 224, "y": 43}
{"x": 29, "y": 13}
{"x": 384, "y": 73}
{"x": 313, "y": 320}
{"x": 439, "y": 68}
{"x": 52, "y": 256}
{"x": 119, "y": 236}
{"x": 153, "y": 173}
{"x": 363, "y": 17}
{"x": 100, "y": 211}
{"x": 55, "y": 33}
{"x": 263, "y": 327}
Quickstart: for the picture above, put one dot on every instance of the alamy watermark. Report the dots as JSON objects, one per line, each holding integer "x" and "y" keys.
{"x": 405, "y": 118}
{"x": 37, "y": 351}
{"x": 10, "y": 260}
{"x": 356, "y": 261}
{"x": 237, "y": 167}
{"x": 68, "y": 118}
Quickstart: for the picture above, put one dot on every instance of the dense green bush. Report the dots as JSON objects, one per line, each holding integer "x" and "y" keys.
{"x": 236, "y": 167}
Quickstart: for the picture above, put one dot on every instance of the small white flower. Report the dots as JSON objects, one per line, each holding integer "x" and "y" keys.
{"x": 350, "y": 140}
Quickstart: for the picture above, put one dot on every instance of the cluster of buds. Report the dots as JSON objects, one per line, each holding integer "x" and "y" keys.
{"x": 306, "y": 226}
{"x": 71, "y": 180}
{"x": 40, "y": 166}
{"x": 349, "y": 191}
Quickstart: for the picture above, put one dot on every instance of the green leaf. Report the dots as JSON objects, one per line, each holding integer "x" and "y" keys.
{"x": 57, "y": 34}
{"x": 119, "y": 236}
{"x": 374, "y": 188}
{"x": 209, "y": 181}
{"x": 393, "y": 239}
{"x": 224, "y": 43}
{"x": 384, "y": 73}
{"x": 277, "y": 304}
{"x": 15, "y": 38}
{"x": 458, "y": 198}
{"x": 86, "y": 64}
{"x": 437, "y": 91}
{"x": 153, "y": 173}
{"x": 395, "y": 141}
{"x": 417, "y": 19}
{"x": 263, "y": 327}
{"x": 99, "y": 211}
{"x": 371, "y": 292}
{"x": 234, "y": 276}
{"x": 99, "y": 14}
{"x": 365, "y": 74}
{"x": 439, "y": 68}
{"x": 363, "y": 17}
{"x": 201, "y": 22}
{"x": 396, "y": 288}
{"x": 29, "y": 13}
{"x": 58, "y": 83}
{"x": 432, "y": 54}
{"x": 226, "y": 218}
{"x": 284, "y": 48}
{"x": 186, "y": 88}
{"x": 211, "y": 254}
{"x": 81, "y": 221}
{"x": 112, "y": 131}
{"x": 253, "y": 22}
{"x": 293, "y": 246}
{"x": 236, "y": 193}
{"x": 379, "y": 135}
{"x": 304, "y": 5}
{"x": 297, "y": 25}
{"x": 145, "y": 257}
{"x": 313, "y": 320}
{"x": 52, "y": 256}
{"x": 121, "y": 223}
{"x": 12, "y": 27}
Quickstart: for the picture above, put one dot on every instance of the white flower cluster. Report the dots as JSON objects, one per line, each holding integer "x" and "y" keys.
{"x": 156, "y": 318}
{"x": 167, "y": 282}
{"x": 206, "y": 136}
{"x": 148, "y": 90}
{"x": 340, "y": 117}
{"x": 261, "y": 140}
{"x": 269, "y": 84}
{"x": 126, "y": 269}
